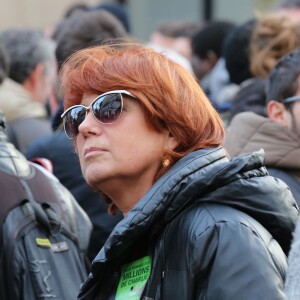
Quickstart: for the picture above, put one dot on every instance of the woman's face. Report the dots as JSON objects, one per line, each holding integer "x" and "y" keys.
{"x": 119, "y": 156}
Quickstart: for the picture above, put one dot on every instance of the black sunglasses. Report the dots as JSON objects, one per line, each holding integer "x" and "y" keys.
{"x": 106, "y": 108}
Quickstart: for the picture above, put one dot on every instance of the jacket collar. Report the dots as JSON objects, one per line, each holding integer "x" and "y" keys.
{"x": 206, "y": 176}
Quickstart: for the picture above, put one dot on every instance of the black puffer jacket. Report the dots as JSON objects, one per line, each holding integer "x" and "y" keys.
{"x": 202, "y": 224}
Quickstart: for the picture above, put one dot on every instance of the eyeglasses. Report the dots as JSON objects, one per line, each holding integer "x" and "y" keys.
{"x": 106, "y": 108}
{"x": 291, "y": 99}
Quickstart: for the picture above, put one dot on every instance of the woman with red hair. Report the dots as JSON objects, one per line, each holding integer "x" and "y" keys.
{"x": 196, "y": 225}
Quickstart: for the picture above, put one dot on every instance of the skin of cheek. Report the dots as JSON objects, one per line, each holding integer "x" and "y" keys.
{"x": 133, "y": 164}
{"x": 137, "y": 156}
{"x": 294, "y": 120}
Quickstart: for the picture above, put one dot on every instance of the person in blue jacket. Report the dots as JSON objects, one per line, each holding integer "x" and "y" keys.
{"x": 197, "y": 225}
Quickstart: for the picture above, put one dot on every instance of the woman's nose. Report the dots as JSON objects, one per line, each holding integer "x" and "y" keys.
{"x": 89, "y": 125}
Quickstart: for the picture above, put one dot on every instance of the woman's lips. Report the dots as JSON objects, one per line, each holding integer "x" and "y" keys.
{"x": 90, "y": 151}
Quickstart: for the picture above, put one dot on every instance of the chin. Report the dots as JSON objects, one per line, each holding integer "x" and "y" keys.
{"x": 91, "y": 180}
{"x": 94, "y": 177}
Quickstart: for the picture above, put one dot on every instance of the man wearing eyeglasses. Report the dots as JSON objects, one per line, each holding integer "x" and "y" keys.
{"x": 279, "y": 134}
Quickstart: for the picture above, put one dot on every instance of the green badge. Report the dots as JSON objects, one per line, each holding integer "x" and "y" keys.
{"x": 133, "y": 279}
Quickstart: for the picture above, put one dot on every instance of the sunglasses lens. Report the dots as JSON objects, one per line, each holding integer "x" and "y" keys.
{"x": 72, "y": 120}
{"x": 108, "y": 108}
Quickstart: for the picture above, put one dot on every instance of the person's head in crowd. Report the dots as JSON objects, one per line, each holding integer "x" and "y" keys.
{"x": 4, "y": 66}
{"x": 283, "y": 92}
{"x": 31, "y": 58}
{"x": 85, "y": 29}
{"x": 163, "y": 34}
{"x": 176, "y": 35}
{"x": 81, "y": 30}
{"x": 273, "y": 36}
{"x": 290, "y": 8}
{"x": 236, "y": 52}
{"x": 119, "y": 10}
{"x": 183, "y": 38}
{"x": 171, "y": 38}
{"x": 155, "y": 101}
{"x": 75, "y": 8}
{"x": 207, "y": 46}
{"x": 71, "y": 10}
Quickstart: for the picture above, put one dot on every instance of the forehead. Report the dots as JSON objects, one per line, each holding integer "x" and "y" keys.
{"x": 88, "y": 98}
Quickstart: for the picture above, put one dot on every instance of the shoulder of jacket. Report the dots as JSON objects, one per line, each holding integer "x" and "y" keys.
{"x": 44, "y": 171}
{"x": 201, "y": 218}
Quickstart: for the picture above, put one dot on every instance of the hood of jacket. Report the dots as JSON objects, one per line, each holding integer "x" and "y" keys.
{"x": 249, "y": 132}
{"x": 17, "y": 103}
{"x": 206, "y": 176}
{"x": 250, "y": 97}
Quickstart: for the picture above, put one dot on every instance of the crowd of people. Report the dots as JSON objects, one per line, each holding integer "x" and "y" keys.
{"x": 182, "y": 152}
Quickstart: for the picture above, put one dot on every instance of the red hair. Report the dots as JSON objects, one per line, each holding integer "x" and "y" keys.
{"x": 169, "y": 95}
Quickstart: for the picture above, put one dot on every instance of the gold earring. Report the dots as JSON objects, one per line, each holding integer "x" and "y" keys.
{"x": 166, "y": 162}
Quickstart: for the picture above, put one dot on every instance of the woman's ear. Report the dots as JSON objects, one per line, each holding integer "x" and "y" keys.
{"x": 33, "y": 80}
{"x": 172, "y": 142}
{"x": 278, "y": 113}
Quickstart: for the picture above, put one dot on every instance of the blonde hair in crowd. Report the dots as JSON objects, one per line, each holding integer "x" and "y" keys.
{"x": 273, "y": 37}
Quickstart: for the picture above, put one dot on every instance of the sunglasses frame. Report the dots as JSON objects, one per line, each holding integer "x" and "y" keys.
{"x": 291, "y": 99}
{"x": 87, "y": 108}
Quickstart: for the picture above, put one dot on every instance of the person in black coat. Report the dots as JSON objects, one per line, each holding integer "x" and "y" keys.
{"x": 196, "y": 225}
